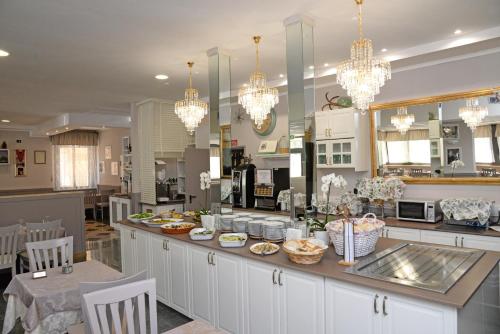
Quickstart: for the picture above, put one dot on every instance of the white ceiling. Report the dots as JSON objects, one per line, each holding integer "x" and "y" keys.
{"x": 73, "y": 56}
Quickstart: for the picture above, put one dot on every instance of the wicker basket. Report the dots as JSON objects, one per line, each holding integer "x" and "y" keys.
{"x": 304, "y": 259}
{"x": 364, "y": 242}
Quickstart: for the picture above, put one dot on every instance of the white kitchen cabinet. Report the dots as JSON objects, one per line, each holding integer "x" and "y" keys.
{"x": 461, "y": 240}
{"x": 335, "y": 124}
{"x": 280, "y": 300}
{"x": 178, "y": 274}
{"x": 159, "y": 265}
{"x": 401, "y": 233}
{"x": 200, "y": 271}
{"x": 352, "y": 309}
{"x": 119, "y": 209}
{"x": 134, "y": 250}
{"x": 442, "y": 238}
{"x": 157, "y": 209}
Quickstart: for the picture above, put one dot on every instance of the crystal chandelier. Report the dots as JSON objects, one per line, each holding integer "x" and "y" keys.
{"x": 362, "y": 75}
{"x": 191, "y": 110}
{"x": 472, "y": 113}
{"x": 256, "y": 97}
{"x": 402, "y": 121}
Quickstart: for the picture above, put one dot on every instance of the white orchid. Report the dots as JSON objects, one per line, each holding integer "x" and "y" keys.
{"x": 457, "y": 164}
{"x": 205, "y": 184}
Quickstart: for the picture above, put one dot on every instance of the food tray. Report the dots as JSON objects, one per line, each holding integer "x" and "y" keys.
{"x": 274, "y": 248}
{"x": 233, "y": 244}
{"x": 200, "y": 237}
{"x": 160, "y": 222}
{"x": 170, "y": 229}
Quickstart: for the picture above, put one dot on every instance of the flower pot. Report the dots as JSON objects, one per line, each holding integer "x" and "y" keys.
{"x": 208, "y": 222}
{"x": 322, "y": 235}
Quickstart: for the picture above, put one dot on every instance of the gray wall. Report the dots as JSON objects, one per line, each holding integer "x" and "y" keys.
{"x": 112, "y": 137}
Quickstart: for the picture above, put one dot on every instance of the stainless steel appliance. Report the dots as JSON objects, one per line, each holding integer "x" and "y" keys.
{"x": 419, "y": 210}
{"x": 268, "y": 183}
{"x": 243, "y": 180}
{"x": 434, "y": 268}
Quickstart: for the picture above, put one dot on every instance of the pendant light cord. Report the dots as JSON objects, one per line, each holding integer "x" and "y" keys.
{"x": 257, "y": 62}
{"x": 190, "y": 64}
{"x": 360, "y": 19}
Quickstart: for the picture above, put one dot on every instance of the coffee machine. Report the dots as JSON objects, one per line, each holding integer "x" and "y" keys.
{"x": 243, "y": 180}
{"x": 268, "y": 184}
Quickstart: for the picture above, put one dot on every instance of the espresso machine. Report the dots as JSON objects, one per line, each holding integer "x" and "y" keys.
{"x": 268, "y": 184}
{"x": 243, "y": 180}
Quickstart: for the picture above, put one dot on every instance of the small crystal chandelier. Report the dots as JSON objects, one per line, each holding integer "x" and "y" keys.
{"x": 362, "y": 75}
{"x": 191, "y": 110}
{"x": 402, "y": 121}
{"x": 256, "y": 97}
{"x": 472, "y": 113}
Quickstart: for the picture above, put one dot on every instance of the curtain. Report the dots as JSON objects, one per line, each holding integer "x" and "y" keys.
{"x": 497, "y": 132}
{"x": 418, "y": 134}
{"x": 483, "y": 131}
{"x": 75, "y": 167}
{"x": 76, "y": 137}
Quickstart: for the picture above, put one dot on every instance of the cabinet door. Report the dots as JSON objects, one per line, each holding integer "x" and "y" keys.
{"x": 402, "y": 233}
{"x": 127, "y": 247}
{"x": 322, "y": 125}
{"x": 141, "y": 240}
{"x": 228, "y": 292}
{"x": 480, "y": 242}
{"x": 351, "y": 309}
{"x": 322, "y": 155}
{"x": 158, "y": 267}
{"x": 341, "y": 153}
{"x": 200, "y": 284}
{"x": 302, "y": 307}
{"x": 410, "y": 316}
{"x": 124, "y": 208}
{"x": 113, "y": 211}
{"x": 442, "y": 238}
{"x": 342, "y": 124}
{"x": 178, "y": 273}
{"x": 260, "y": 299}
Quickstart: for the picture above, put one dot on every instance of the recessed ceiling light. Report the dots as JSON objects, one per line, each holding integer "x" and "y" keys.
{"x": 4, "y": 53}
{"x": 457, "y": 32}
{"x": 311, "y": 67}
{"x": 57, "y": 131}
{"x": 66, "y": 128}
{"x": 161, "y": 76}
{"x": 46, "y": 133}
{"x": 5, "y": 121}
{"x": 384, "y": 50}
{"x": 326, "y": 64}
{"x": 282, "y": 75}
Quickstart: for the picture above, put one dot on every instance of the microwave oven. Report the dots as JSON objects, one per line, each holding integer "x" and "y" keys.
{"x": 427, "y": 211}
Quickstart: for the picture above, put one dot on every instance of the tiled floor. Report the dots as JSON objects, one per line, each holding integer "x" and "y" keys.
{"x": 103, "y": 244}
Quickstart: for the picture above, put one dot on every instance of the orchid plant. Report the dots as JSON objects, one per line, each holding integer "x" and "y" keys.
{"x": 456, "y": 164}
{"x": 327, "y": 181}
{"x": 205, "y": 186}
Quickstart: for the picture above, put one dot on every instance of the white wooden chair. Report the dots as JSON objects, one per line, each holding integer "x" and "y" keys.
{"x": 42, "y": 254}
{"x": 88, "y": 287}
{"x": 8, "y": 247}
{"x": 39, "y": 232}
{"x": 103, "y": 302}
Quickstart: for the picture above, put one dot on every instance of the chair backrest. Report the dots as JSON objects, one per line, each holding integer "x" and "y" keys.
{"x": 43, "y": 231}
{"x": 90, "y": 197}
{"x": 488, "y": 172}
{"x": 54, "y": 251}
{"x": 88, "y": 287}
{"x": 101, "y": 303}
{"x": 8, "y": 244}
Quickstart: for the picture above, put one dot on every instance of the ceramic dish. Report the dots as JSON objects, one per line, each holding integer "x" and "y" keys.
{"x": 264, "y": 248}
{"x": 233, "y": 239}
{"x": 226, "y": 222}
{"x": 201, "y": 233}
{"x": 157, "y": 222}
{"x": 177, "y": 228}
{"x": 139, "y": 217}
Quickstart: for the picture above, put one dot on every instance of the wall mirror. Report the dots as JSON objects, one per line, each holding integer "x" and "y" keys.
{"x": 444, "y": 139}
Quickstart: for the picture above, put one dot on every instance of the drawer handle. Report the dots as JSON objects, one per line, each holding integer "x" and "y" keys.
{"x": 167, "y": 243}
{"x": 384, "y": 311}
{"x": 462, "y": 242}
{"x": 213, "y": 259}
{"x": 208, "y": 257}
{"x": 164, "y": 244}
{"x": 279, "y": 278}
{"x": 456, "y": 241}
{"x": 375, "y": 304}
{"x": 274, "y": 276}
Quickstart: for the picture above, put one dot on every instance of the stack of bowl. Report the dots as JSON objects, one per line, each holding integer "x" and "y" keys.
{"x": 240, "y": 224}
{"x": 255, "y": 228}
{"x": 273, "y": 231}
{"x": 226, "y": 222}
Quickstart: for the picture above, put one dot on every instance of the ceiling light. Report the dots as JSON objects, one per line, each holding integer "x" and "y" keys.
{"x": 282, "y": 75}
{"x": 384, "y": 50}
{"x": 457, "y": 32}
{"x": 191, "y": 110}
{"x": 66, "y": 128}
{"x": 326, "y": 64}
{"x": 402, "y": 121}
{"x": 5, "y": 121}
{"x": 472, "y": 114}
{"x": 4, "y": 53}
{"x": 161, "y": 76}
{"x": 311, "y": 67}
{"x": 57, "y": 131}
{"x": 362, "y": 75}
{"x": 257, "y": 98}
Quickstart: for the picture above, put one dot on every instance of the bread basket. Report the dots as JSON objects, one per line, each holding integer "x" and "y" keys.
{"x": 301, "y": 257}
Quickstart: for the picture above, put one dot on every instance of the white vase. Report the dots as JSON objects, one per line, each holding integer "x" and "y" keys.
{"x": 208, "y": 222}
{"x": 322, "y": 235}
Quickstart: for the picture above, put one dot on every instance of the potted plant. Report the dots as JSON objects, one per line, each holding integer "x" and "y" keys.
{"x": 207, "y": 220}
{"x": 456, "y": 164}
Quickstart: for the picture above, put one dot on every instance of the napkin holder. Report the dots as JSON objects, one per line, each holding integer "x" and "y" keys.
{"x": 39, "y": 274}
{"x": 348, "y": 244}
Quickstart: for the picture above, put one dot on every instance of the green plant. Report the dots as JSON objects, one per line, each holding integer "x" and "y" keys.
{"x": 204, "y": 212}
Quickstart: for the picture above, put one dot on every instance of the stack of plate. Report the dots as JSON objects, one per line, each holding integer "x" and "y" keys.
{"x": 273, "y": 231}
{"x": 226, "y": 222}
{"x": 255, "y": 228}
{"x": 284, "y": 219}
{"x": 240, "y": 224}
{"x": 242, "y": 213}
{"x": 258, "y": 216}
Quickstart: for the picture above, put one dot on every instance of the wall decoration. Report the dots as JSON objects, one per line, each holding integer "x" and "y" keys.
{"x": 267, "y": 126}
{"x": 20, "y": 164}
{"x": 40, "y": 157}
{"x": 4, "y": 156}
{"x": 452, "y": 154}
{"x": 4, "y": 145}
{"x": 337, "y": 102}
{"x": 114, "y": 168}
{"x": 102, "y": 167}
{"x": 451, "y": 131}
{"x": 107, "y": 152}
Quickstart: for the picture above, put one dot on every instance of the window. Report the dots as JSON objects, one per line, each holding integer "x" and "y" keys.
{"x": 75, "y": 167}
{"x": 483, "y": 150}
{"x": 409, "y": 151}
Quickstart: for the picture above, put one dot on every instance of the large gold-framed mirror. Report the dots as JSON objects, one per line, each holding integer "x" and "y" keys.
{"x": 445, "y": 139}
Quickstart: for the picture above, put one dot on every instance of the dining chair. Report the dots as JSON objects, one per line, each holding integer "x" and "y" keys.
{"x": 99, "y": 304}
{"x": 103, "y": 202}
{"x": 40, "y": 257}
{"x": 39, "y": 232}
{"x": 88, "y": 287}
{"x": 89, "y": 201}
{"x": 8, "y": 247}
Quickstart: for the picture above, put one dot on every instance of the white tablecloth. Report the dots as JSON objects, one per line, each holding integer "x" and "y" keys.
{"x": 51, "y": 304}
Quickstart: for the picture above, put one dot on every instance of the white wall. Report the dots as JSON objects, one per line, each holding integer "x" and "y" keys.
{"x": 111, "y": 137}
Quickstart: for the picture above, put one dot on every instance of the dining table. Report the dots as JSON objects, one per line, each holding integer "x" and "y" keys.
{"x": 53, "y": 303}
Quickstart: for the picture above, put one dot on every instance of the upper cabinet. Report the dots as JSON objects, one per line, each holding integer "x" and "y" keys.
{"x": 342, "y": 139}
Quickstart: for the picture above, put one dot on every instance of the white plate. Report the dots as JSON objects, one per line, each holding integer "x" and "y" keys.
{"x": 275, "y": 249}
{"x": 194, "y": 236}
{"x": 239, "y": 243}
{"x": 160, "y": 222}
{"x": 138, "y": 220}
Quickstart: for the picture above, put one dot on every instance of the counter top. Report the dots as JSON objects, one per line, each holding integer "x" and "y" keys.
{"x": 457, "y": 296}
{"x": 169, "y": 202}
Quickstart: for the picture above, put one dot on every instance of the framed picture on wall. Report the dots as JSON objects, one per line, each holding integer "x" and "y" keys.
{"x": 4, "y": 156}
{"x": 107, "y": 152}
{"x": 114, "y": 168}
{"x": 20, "y": 163}
{"x": 102, "y": 167}
{"x": 451, "y": 131}
{"x": 452, "y": 154}
{"x": 40, "y": 157}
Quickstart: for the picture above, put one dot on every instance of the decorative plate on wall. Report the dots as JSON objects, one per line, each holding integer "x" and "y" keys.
{"x": 268, "y": 125}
